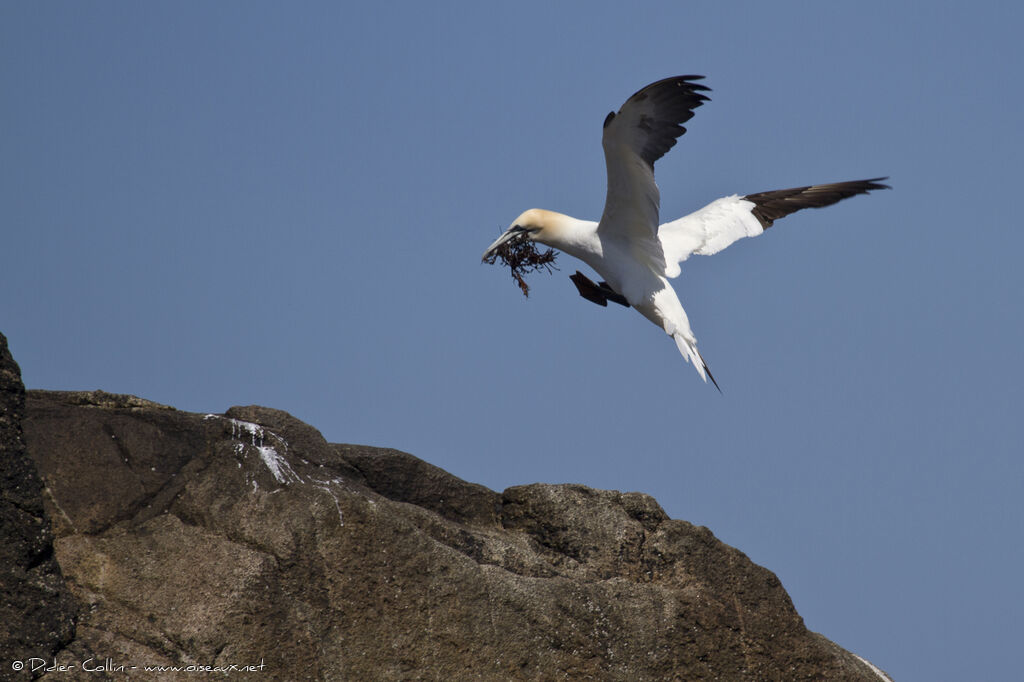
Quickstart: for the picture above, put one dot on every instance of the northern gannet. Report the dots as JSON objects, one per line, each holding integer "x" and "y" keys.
{"x": 629, "y": 248}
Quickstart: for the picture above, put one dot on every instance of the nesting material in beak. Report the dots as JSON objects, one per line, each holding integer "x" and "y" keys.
{"x": 519, "y": 254}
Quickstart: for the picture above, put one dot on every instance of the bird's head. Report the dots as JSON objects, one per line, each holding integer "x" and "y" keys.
{"x": 535, "y": 225}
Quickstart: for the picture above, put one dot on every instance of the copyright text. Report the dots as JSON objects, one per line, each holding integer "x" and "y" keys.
{"x": 109, "y": 665}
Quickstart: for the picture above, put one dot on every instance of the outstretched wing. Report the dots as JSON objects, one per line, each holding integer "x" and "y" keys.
{"x": 725, "y": 220}
{"x": 642, "y": 131}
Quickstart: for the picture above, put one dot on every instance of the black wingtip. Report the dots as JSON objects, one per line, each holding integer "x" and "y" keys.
{"x": 690, "y": 77}
{"x": 686, "y": 81}
{"x": 770, "y": 206}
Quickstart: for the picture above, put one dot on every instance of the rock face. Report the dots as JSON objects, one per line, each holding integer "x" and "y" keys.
{"x": 245, "y": 539}
{"x": 37, "y": 611}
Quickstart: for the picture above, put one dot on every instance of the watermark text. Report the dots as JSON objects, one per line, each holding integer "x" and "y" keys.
{"x": 109, "y": 665}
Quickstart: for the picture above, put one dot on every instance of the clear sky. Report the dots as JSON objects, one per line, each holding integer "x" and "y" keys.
{"x": 211, "y": 204}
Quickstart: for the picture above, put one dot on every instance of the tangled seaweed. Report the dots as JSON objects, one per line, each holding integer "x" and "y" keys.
{"x": 523, "y": 257}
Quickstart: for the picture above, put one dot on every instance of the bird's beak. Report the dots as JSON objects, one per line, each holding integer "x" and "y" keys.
{"x": 509, "y": 234}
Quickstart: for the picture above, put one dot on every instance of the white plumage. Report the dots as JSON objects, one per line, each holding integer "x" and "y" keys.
{"x": 629, "y": 247}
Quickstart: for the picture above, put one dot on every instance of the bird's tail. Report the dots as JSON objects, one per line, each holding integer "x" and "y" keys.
{"x": 688, "y": 347}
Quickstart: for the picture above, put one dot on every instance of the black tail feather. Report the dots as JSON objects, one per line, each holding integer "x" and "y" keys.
{"x": 710, "y": 375}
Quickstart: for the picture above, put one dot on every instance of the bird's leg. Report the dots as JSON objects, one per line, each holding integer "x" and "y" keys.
{"x": 588, "y": 289}
{"x": 612, "y": 295}
{"x": 597, "y": 293}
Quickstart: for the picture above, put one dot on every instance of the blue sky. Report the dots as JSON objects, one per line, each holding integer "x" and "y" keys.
{"x": 211, "y": 204}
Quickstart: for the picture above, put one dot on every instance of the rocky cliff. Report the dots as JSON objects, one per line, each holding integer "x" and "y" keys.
{"x": 246, "y": 542}
{"x": 37, "y": 611}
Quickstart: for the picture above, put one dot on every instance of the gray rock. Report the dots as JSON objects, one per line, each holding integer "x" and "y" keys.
{"x": 247, "y": 539}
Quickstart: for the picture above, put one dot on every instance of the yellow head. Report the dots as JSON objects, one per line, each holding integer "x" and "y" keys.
{"x": 536, "y": 225}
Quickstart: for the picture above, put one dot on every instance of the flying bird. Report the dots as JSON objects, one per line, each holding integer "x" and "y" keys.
{"x": 633, "y": 252}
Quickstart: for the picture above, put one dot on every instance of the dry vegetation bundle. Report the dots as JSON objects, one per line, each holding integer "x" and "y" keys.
{"x": 523, "y": 257}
